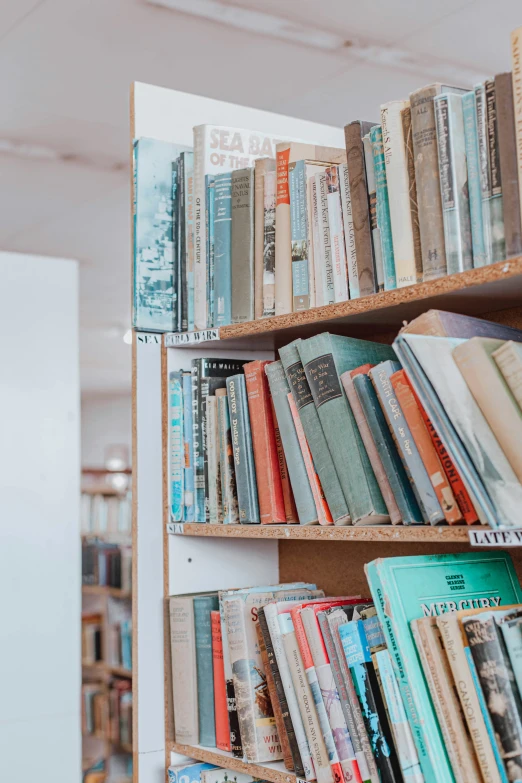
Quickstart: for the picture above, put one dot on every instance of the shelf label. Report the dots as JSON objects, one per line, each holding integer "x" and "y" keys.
{"x": 174, "y": 339}
{"x": 175, "y": 528}
{"x": 496, "y": 538}
{"x": 147, "y": 338}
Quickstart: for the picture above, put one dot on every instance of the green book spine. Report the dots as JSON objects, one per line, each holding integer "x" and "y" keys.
{"x": 322, "y": 458}
{"x": 325, "y": 357}
{"x": 304, "y": 500}
{"x": 243, "y": 451}
{"x": 203, "y": 605}
{"x": 383, "y": 209}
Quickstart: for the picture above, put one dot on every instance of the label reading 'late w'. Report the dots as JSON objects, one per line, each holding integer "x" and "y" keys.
{"x": 323, "y": 379}
{"x": 299, "y": 385}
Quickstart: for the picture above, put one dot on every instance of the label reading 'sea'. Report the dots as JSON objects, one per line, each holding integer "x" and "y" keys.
{"x": 323, "y": 379}
{"x": 299, "y": 385}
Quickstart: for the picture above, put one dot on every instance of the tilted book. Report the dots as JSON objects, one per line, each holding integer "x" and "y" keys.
{"x": 507, "y": 153}
{"x": 469, "y": 114}
{"x": 383, "y": 209}
{"x": 406, "y": 588}
{"x": 509, "y": 361}
{"x": 439, "y": 323}
{"x": 243, "y": 452}
{"x": 242, "y": 250}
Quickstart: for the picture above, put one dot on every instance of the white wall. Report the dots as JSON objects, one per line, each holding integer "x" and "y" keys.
{"x": 106, "y": 419}
{"x": 39, "y": 521}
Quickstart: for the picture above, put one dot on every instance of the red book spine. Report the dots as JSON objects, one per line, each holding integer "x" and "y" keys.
{"x": 220, "y": 692}
{"x": 269, "y": 486}
{"x": 452, "y": 474}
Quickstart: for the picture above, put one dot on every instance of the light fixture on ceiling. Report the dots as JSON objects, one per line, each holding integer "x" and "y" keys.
{"x": 127, "y": 337}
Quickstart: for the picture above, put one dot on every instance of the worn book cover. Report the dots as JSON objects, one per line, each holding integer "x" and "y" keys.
{"x": 210, "y": 214}
{"x": 478, "y": 239}
{"x": 349, "y": 233}
{"x": 215, "y": 507}
{"x": 335, "y": 224}
{"x": 176, "y": 462}
{"x": 516, "y": 59}
{"x": 498, "y": 239}
{"x": 222, "y": 251}
{"x": 203, "y": 606}
{"x": 509, "y": 361}
{"x": 511, "y": 627}
{"x": 383, "y": 209}
{"x": 414, "y": 203}
{"x": 325, "y": 242}
{"x": 242, "y": 246}
{"x": 269, "y": 244}
{"x": 226, "y": 461}
{"x": 220, "y": 691}
{"x": 208, "y": 388}
{"x": 374, "y": 226}
{"x": 507, "y": 153}
{"x": 262, "y": 166}
{"x": 288, "y": 495}
{"x": 439, "y": 323}
{"x": 242, "y": 450}
{"x": 184, "y": 672}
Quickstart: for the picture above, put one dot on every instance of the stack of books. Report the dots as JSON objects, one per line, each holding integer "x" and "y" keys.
{"x": 345, "y": 431}
{"x": 120, "y": 643}
{"x": 247, "y": 226}
{"x": 120, "y": 712}
{"x": 107, "y": 711}
{"x": 419, "y": 681}
{"x": 92, "y": 638}
{"x": 106, "y": 565}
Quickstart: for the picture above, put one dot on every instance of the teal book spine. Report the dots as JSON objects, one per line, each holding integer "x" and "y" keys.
{"x": 383, "y": 209}
{"x": 176, "y": 447}
{"x": 321, "y": 456}
{"x": 453, "y": 177}
{"x": 304, "y": 499}
{"x": 203, "y": 605}
{"x": 176, "y": 259}
{"x": 498, "y": 237}
{"x": 299, "y": 235}
{"x": 209, "y": 218}
{"x": 411, "y": 459}
{"x": 223, "y": 249}
{"x": 188, "y": 188}
{"x": 392, "y": 463}
{"x": 469, "y": 112}
{"x": 325, "y": 357}
{"x": 188, "y": 452}
{"x": 182, "y": 256}
{"x": 243, "y": 451}
{"x": 407, "y": 588}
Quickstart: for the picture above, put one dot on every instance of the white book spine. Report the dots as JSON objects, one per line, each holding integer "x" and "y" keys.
{"x": 516, "y": 53}
{"x": 335, "y": 222}
{"x": 349, "y": 232}
{"x": 398, "y": 192}
{"x": 184, "y": 673}
{"x": 311, "y": 250}
{"x": 509, "y": 362}
{"x": 200, "y": 231}
{"x": 318, "y": 254}
{"x": 324, "y": 239}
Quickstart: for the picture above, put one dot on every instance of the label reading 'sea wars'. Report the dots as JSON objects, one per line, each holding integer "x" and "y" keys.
{"x": 323, "y": 379}
{"x": 299, "y": 385}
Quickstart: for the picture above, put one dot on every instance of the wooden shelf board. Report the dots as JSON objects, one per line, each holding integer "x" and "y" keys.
{"x": 119, "y": 671}
{"x": 114, "y": 592}
{"x": 400, "y": 533}
{"x": 494, "y": 287}
{"x": 101, "y": 666}
{"x": 274, "y": 771}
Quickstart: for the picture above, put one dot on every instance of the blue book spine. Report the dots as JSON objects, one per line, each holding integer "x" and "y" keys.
{"x": 222, "y": 249}
{"x": 243, "y": 451}
{"x": 176, "y": 276}
{"x": 203, "y": 605}
{"x": 469, "y": 110}
{"x": 383, "y": 209}
{"x": 176, "y": 446}
{"x": 126, "y": 644}
{"x": 299, "y": 235}
{"x": 188, "y": 174}
{"x": 209, "y": 217}
{"x": 190, "y": 773}
{"x": 188, "y": 451}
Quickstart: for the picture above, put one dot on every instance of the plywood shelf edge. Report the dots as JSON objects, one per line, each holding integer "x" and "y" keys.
{"x": 274, "y": 772}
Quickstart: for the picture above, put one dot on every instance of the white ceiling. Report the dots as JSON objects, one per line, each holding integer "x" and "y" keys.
{"x": 65, "y": 71}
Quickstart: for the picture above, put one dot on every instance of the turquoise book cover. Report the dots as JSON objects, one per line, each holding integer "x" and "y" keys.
{"x": 469, "y": 112}
{"x": 243, "y": 451}
{"x": 153, "y": 274}
{"x": 203, "y": 605}
{"x": 188, "y": 453}
{"x": 407, "y": 588}
{"x": 223, "y": 249}
{"x": 383, "y": 209}
{"x": 299, "y": 235}
{"x": 188, "y": 189}
{"x": 210, "y": 191}
{"x": 188, "y": 773}
{"x": 176, "y": 451}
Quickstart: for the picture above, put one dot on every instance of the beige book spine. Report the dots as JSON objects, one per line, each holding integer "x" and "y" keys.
{"x": 492, "y": 395}
{"x": 259, "y": 225}
{"x": 398, "y": 192}
{"x": 184, "y": 674}
{"x": 516, "y": 53}
{"x": 437, "y": 671}
{"x": 449, "y": 627}
{"x": 509, "y": 362}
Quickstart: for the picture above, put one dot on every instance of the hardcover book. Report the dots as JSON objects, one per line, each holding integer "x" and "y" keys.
{"x": 242, "y": 249}
{"x": 220, "y": 691}
{"x": 215, "y": 508}
{"x": 222, "y": 251}
{"x": 302, "y": 252}
{"x": 187, "y": 773}
{"x": 372, "y": 195}
{"x": 176, "y": 447}
{"x": 469, "y": 114}
{"x": 507, "y": 153}
{"x": 188, "y": 176}
{"x": 269, "y": 244}
{"x": 349, "y": 233}
{"x": 498, "y": 241}
{"x": 439, "y": 323}
{"x": 203, "y": 606}
{"x": 210, "y": 214}
{"x": 242, "y": 450}
{"x": 325, "y": 242}
{"x": 414, "y": 204}
{"x": 509, "y": 361}
{"x": 226, "y": 461}
{"x": 335, "y": 224}
{"x": 262, "y": 166}
{"x": 383, "y": 209}
{"x": 516, "y": 55}
{"x": 184, "y": 671}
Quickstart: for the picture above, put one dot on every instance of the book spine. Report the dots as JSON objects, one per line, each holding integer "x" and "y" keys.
{"x": 313, "y": 431}
{"x": 425, "y": 447}
{"x": 242, "y": 246}
{"x": 349, "y": 232}
{"x": 182, "y": 246}
{"x": 259, "y": 197}
{"x": 498, "y": 246}
{"x": 371, "y": 449}
{"x": 485, "y": 173}
{"x": 199, "y": 233}
{"x": 324, "y": 239}
{"x": 203, "y": 606}
{"x": 274, "y": 701}
{"x": 399, "y": 193}
{"x": 516, "y": 55}
{"x": 214, "y": 500}
{"x": 270, "y": 490}
{"x": 176, "y": 271}
{"x": 408, "y": 451}
{"x": 299, "y": 236}
{"x": 226, "y": 465}
{"x": 269, "y": 246}
{"x": 335, "y": 223}
{"x": 290, "y": 709}
{"x": 222, "y": 249}
{"x": 220, "y": 693}
{"x": 511, "y": 631}
{"x": 507, "y": 153}
{"x": 197, "y": 444}
{"x": 323, "y": 512}
{"x": 288, "y": 497}
{"x": 487, "y": 648}
{"x": 407, "y": 135}
{"x": 283, "y": 247}
{"x": 406, "y": 751}
{"x": 469, "y": 114}
{"x": 510, "y": 365}
{"x": 428, "y": 187}
{"x": 242, "y": 450}
{"x": 296, "y": 468}
{"x": 383, "y": 209}
{"x": 354, "y": 133}
{"x": 211, "y": 203}
{"x": 316, "y": 241}
{"x": 184, "y": 674}
{"x": 310, "y": 237}
{"x": 233, "y": 717}
{"x": 202, "y": 500}
{"x": 374, "y": 223}
{"x": 176, "y": 447}
{"x": 453, "y": 176}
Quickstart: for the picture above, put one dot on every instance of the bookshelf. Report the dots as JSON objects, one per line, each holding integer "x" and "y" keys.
{"x": 171, "y": 559}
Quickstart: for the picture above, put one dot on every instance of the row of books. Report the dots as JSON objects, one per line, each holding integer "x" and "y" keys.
{"x": 106, "y": 565}
{"x": 200, "y": 772}
{"x": 105, "y": 513}
{"x": 119, "y": 640}
{"x": 421, "y": 681}
{"x": 119, "y": 649}
{"x": 347, "y": 431}
{"x": 107, "y": 711}
{"x": 92, "y": 638}
{"x": 245, "y": 225}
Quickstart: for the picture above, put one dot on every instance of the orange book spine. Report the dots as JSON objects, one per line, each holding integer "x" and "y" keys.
{"x": 459, "y": 490}
{"x": 427, "y": 451}
{"x": 323, "y": 512}
{"x": 220, "y": 693}
{"x": 288, "y": 495}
